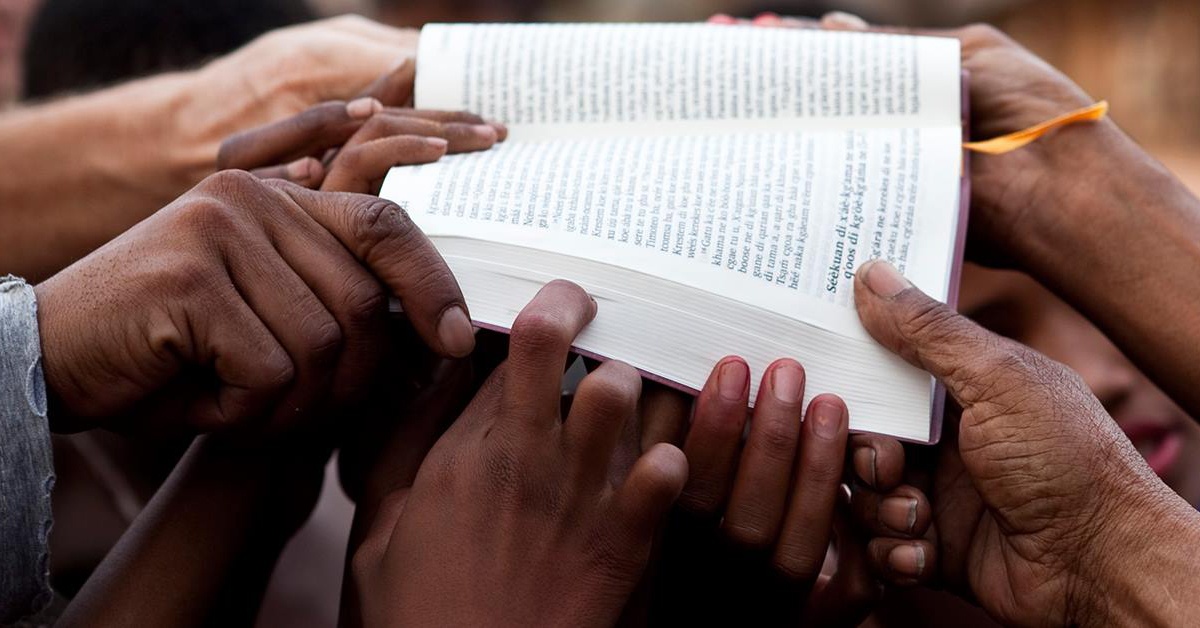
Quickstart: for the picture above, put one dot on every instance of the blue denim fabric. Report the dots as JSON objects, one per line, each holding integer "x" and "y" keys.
{"x": 26, "y": 465}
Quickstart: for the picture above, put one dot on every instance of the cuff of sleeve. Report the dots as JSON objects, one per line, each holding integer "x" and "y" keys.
{"x": 26, "y": 463}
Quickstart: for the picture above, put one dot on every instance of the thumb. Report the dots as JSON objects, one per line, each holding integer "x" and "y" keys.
{"x": 930, "y": 335}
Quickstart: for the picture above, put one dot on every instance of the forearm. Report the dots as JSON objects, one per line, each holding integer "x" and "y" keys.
{"x": 1147, "y": 568}
{"x": 203, "y": 550}
{"x": 1118, "y": 237}
{"x": 79, "y": 171}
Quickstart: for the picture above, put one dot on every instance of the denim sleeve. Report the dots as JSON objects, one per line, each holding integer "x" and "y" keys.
{"x": 26, "y": 467}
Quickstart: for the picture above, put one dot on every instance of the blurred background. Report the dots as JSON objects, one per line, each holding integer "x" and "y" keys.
{"x": 1141, "y": 55}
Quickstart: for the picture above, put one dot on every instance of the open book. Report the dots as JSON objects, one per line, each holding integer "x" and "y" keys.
{"x": 713, "y": 187}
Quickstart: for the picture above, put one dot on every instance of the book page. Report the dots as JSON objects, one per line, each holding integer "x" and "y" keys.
{"x": 551, "y": 80}
{"x": 777, "y": 220}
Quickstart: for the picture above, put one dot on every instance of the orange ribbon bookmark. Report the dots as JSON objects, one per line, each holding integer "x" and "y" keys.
{"x": 1013, "y": 141}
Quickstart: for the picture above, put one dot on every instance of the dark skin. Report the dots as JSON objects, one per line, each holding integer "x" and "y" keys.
{"x": 1044, "y": 512}
{"x": 279, "y": 306}
{"x": 1031, "y": 205}
{"x": 518, "y": 516}
{"x": 213, "y": 531}
{"x": 750, "y": 533}
{"x": 348, "y": 147}
{"x": 236, "y": 501}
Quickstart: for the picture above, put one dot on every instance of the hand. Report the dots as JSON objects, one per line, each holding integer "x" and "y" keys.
{"x": 371, "y": 138}
{"x": 752, "y": 528}
{"x": 514, "y": 517}
{"x": 1010, "y": 89}
{"x": 242, "y": 299}
{"x": 1045, "y": 512}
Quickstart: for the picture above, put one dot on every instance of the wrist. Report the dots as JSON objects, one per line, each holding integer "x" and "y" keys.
{"x": 1079, "y": 189}
{"x": 1140, "y": 565}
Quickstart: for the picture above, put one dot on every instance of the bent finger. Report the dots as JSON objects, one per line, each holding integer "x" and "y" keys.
{"x": 541, "y": 338}
{"x": 382, "y": 236}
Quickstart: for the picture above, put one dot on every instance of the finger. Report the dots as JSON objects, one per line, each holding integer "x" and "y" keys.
{"x": 851, "y": 593}
{"x": 930, "y": 335}
{"x": 462, "y": 136}
{"x": 396, "y": 87}
{"x": 538, "y": 346}
{"x": 664, "y": 412}
{"x": 842, "y": 21}
{"x": 903, "y": 513}
{"x": 306, "y": 171}
{"x": 605, "y": 402}
{"x": 381, "y": 235}
{"x": 760, "y": 491}
{"x": 715, "y": 437}
{"x": 354, "y": 298}
{"x": 308, "y": 133}
{"x": 252, "y": 369}
{"x": 465, "y": 118}
{"x": 806, "y": 529}
{"x": 296, "y": 318}
{"x": 653, "y": 485}
{"x": 383, "y": 454}
{"x": 902, "y": 562}
{"x": 878, "y": 461}
{"x": 361, "y": 168}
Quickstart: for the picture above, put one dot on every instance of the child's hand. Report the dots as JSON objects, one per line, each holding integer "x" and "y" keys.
{"x": 349, "y": 147}
{"x": 754, "y": 524}
{"x": 514, "y": 518}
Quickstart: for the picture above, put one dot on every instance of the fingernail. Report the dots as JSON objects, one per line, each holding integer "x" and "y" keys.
{"x": 732, "y": 380}
{"x": 907, "y": 560}
{"x": 722, "y": 18}
{"x": 766, "y": 19}
{"x": 437, "y": 143}
{"x": 898, "y": 514}
{"x": 883, "y": 279}
{"x": 846, "y": 494}
{"x": 787, "y": 382}
{"x": 361, "y": 108}
{"x": 501, "y": 130}
{"x": 595, "y": 305}
{"x": 455, "y": 333}
{"x": 864, "y": 465}
{"x": 485, "y": 131}
{"x": 827, "y": 419}
{"x": 844, "y": 20}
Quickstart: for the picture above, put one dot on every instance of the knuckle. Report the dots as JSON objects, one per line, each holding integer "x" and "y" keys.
{"x": 231, "y": 182}
{"x": 776, "y": 441}
{"x": 209, "y": 217}
{"x": 275, "y": 369}
{"x": 323, "y": 335}
{"x": 797, "y": 561}
{"x": 929, "y": 322}
{"x": 618, "y": 386}
{"x": 703, "y": 495}
{"x": 380, "y": 222}
{"x": 540, "y": 332}
{"x": 362, "y": 299}
{"x": 753, "y": 534}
